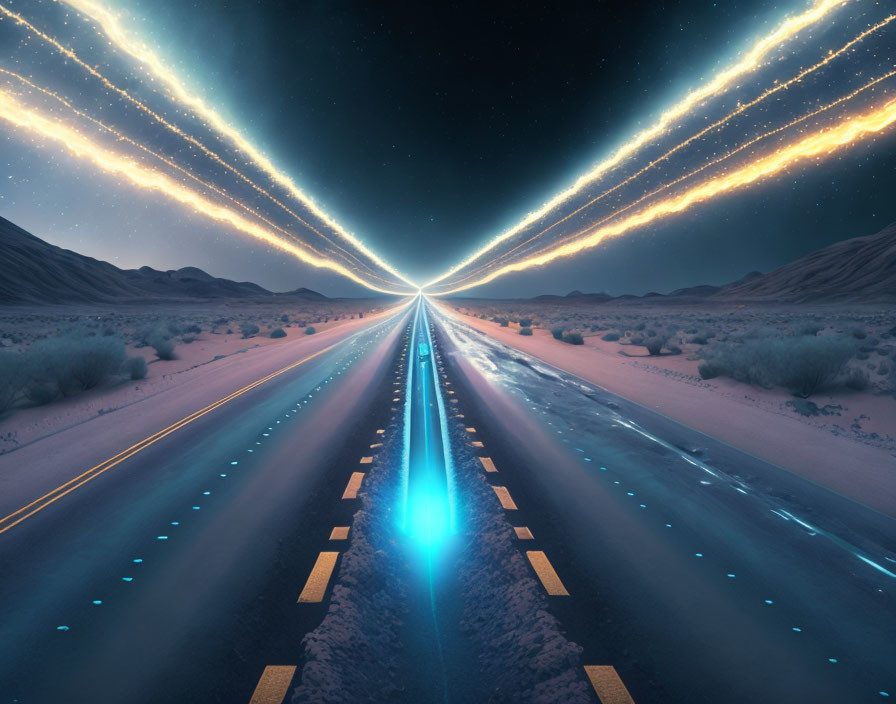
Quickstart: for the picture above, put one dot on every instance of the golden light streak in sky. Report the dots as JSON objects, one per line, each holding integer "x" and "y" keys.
{"x": 647, "y": 196}
{"x": 718, "y": 123}
{"x": 138, "y": 50}
{"x": 716, "y": 86}
{"x": 819, "y": 144}
{"x": 17, "y": 114}
{"x": 360, "y": 267}
{"x": 19, "y": 19}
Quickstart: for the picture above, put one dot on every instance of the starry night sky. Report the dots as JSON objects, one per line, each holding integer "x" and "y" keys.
{"x": 426, "y": 129}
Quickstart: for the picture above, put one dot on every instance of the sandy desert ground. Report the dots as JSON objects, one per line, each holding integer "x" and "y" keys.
{"x": 843, "y": 435}
{"x": 180, "y": 343}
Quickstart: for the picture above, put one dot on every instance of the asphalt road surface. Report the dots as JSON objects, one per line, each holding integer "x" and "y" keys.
{"x": 171, "y": 572}
{"x": 703, "y": 574}
{"x": 174, "y": 576}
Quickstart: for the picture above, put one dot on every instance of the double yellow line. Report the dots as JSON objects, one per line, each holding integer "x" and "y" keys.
{"x": 17, "y": 517}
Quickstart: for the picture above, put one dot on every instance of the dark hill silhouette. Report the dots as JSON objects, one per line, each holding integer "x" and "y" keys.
{"x": 34, "y": 271}
{"x": 858, "y": 270}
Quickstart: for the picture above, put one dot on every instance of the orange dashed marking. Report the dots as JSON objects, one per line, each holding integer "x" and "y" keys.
{"x": 354, "y": 484}
{"x": 608, "y": 685}
{"x": 546, "y": 573}
{"x": 488, "y": 464}
{"x": 523, "y": 533}
{"x": 339, "y": 533}
{"x": 376, "y": 445}
{"x": 316, "y": 586}
{"x": 505, "y": 498}
{"x": 470, "y": 430}
{"x": 380, "y": 432}
{"x": 273, "y": 684}
{"x": 366, "y": 460}
{"x": 476, "y": 443}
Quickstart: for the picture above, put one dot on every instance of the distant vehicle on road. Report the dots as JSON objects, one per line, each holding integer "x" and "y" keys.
{"x": 423, "y": 352}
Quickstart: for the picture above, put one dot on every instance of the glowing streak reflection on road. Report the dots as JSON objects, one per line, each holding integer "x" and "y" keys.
{"x": 429, "y": 511}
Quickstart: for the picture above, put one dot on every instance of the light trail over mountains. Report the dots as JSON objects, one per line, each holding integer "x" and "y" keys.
{"x": 812, "y": 90}
{"x": 314, "y": 241}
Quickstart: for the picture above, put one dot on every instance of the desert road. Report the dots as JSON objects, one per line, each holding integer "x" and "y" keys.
{"x": 183, "y": 568}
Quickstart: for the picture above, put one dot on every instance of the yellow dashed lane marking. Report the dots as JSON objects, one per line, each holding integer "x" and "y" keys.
{"x": 273, "y": 685}
{"x": 380, "y": 432}
{"x": 606, "y": 682}
{"x": 470, "y": 430}
{"x": 354, "y": 483}
{"x": 523, "y": 533}
{"x": 488, "y": 464}
{"x": 546, "y": 573}
{"x": 476, "y": 443}
{"x": 375, "y": 445}
{"x": 339, "y": 533}
{"x": 366, "y": 460}
{"x": 316, "y": 586}
{"x": 504, "y": 497}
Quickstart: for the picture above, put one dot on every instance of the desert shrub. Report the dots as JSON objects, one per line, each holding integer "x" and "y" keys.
{"x": 698, "y": 340}
{"x": 611, "y": 337}
{"x": 194, "y": 328}
{"x": 673, "y": 349}
{"x": 636, "y": 339}
{"x": 163, "y": 347}
{"x": 857, "y": 380}
{"x": 557, "y": 333}
{"x": 135, "y": 368}
{"x": 811, "y": 329}
{"x": 804, "y": 407}
{"x": 803, "y": 365}
{"x": 654, "y": 345}
{"x": 573, "y": 338}
{"x": 526, "y": 331}
{"x": 525, "y": 322}
{"x": 40, "y": 393}
{"x": 12, "y": 379}
{"x": 278, "y": 332}
{"x": 284, "y": 318}
{"x": 67, "y": 365}
{"x": 859, "y": 334}
{"x": 248, "y": 330}
{"x": 310, "y": 330}
{"x": 188, "y": 339}
{"x": 93, "y": 361}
